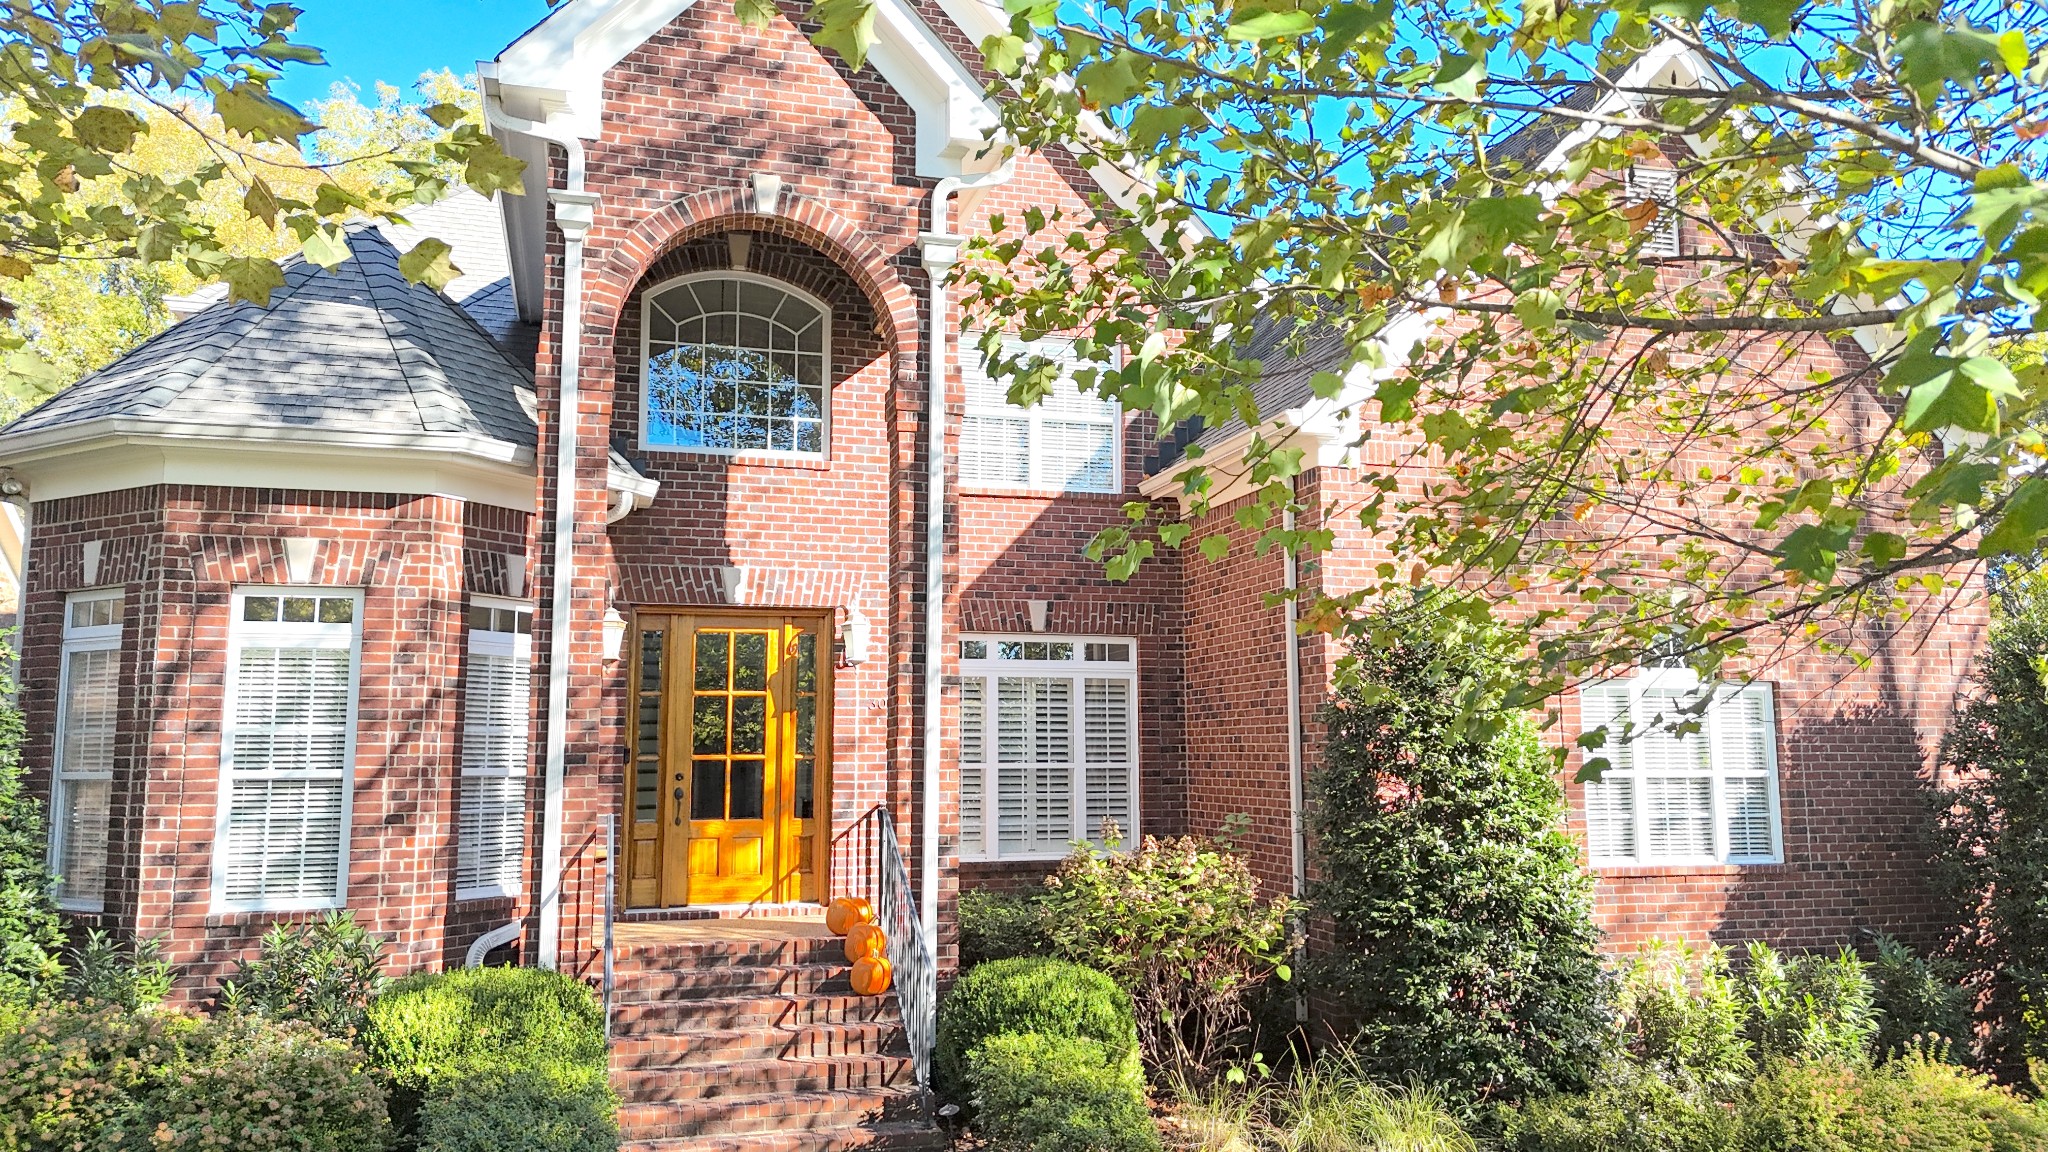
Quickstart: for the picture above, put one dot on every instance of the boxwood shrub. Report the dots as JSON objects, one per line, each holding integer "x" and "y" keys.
{"x": 545, "y": 1109}
{"x": 1038, "y": 1093}
{"x": 1032, "y": 994}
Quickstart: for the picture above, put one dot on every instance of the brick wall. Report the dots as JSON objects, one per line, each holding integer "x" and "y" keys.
{"x": 179, "y": 552}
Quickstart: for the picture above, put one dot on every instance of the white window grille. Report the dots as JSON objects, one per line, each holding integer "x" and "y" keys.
{"x": 88, "y": 712}
{"x": 735, "y": 362}
{"x": 1049, "y": 725}
{"x": 1070, "y": 441}
{"x": 1682, "y": 786}
{"x": 496, "y": 711}
{"x": 288, "y": 750}
{"x": 1658, "y": 186}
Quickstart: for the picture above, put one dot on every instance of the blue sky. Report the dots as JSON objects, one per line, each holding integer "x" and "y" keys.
{"x": 396, "y": 40}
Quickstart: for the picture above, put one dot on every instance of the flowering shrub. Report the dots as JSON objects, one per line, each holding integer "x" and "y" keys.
{"x": 1179, "y": 924}
{"x": 248, "y": 1085}
{"x": 72, "y": 1078}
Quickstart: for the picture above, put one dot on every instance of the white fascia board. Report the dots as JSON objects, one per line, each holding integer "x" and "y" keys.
{"x": 108, "y": 456}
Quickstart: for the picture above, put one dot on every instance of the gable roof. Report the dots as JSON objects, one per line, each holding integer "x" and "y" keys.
{"x": 354, "y": 351}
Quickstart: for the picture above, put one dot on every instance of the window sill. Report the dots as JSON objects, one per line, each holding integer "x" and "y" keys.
{"x": 1088, "y": 494}
{"x": 219, "y": 915}
{"x": 472, "y": 895}
{"x": 1652, "y": 871}
{"x": 752, "y": 458}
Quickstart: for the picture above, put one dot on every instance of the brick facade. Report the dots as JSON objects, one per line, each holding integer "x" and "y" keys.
{"x": 690, "y": 117}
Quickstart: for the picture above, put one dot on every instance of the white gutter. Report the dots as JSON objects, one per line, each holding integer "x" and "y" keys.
{"x": 1297, "y": 834}
{"x": 940, "y": 248}
{"x": 574, "y": 209}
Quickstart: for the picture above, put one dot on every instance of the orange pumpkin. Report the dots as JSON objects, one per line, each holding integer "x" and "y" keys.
{"x": 871, "y": 976}
{"x": 864, "y": 941}
{"x": 847, "y": 911}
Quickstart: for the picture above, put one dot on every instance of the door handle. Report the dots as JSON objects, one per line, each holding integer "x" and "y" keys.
{"x": 679, "y": 807}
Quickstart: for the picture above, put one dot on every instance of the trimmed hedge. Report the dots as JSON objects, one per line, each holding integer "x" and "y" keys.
{"x": 1032, "y": 994}
{"x": 1037, "y": 1093}
{"x": 552, "y": 1109}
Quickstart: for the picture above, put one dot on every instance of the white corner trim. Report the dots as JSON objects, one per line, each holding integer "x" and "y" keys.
{"x": 110, "y": 455}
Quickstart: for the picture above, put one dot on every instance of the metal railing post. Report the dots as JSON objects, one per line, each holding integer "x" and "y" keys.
{"x": 611, "y": 836}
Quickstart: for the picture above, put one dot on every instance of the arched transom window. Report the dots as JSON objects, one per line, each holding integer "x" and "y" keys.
{"x": 735, "y": 363}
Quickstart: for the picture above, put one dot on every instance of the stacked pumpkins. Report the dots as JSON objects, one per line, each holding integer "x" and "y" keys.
{"x": 867, "y": 949}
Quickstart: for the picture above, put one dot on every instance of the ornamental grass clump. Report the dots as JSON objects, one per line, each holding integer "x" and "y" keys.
{"x": 1180, "y": 925}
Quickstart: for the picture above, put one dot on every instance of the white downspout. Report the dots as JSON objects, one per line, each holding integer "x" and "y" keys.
{"x": 1297, "y": 832}
{"x": 940, "y": 247}
{"x": 575, "y": 208}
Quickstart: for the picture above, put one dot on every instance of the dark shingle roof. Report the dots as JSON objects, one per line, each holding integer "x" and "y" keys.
{"x": 355, "y": 350}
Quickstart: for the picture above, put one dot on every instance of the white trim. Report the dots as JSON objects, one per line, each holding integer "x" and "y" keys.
{"x": 1714, "y": 732}
{"x": 243, "y": 634}
{"x": 76, "y": 640}
{"x": 113, "y": 454}
{"x": 825, "y": 319}
{"x": 514, "y": 645}
{"x": 1076, "y": 670}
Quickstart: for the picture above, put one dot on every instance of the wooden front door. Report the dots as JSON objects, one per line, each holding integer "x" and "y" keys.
{"x": 727, "y": 729}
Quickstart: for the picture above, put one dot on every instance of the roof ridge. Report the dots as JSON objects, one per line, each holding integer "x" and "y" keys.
{"x": 414, "y": 362}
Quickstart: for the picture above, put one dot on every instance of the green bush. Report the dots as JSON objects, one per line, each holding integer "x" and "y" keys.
{"x": 1913, "y": 1103}
{"x": 1178, "y": 924}
{"x": 551, "y": 1108}
{"x": 1463, "y": 939}
{"x": 1632, "y": 1111}
{"x": 434, "y": 1029}
{"x": 1031, "y": 994}
{"x": 324, "y": 973}
{"x": 252, "y": 1085}
{"x": 1001, "y": 926}
{"x": 31, "y": 936}
{"x": 1682, "y": 1015}
{"x": 1808, "y": 1007}
{"x": 71, "y": 1077}
{"x": 102, "y": 971}
{"x": 1038, "y": 1093}
{"x": 1921, "y": 1004}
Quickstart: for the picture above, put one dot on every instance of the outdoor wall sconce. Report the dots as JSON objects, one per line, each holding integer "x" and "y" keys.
{"x": 855, "y": 634}
{"x": 614, "y": 635}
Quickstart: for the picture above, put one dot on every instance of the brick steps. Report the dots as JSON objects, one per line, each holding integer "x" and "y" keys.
{"x": 757, "y": 1045}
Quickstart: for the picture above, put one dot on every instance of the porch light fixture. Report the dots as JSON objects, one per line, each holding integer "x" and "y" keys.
{"x": 614, "y": 635}
{"x": 855, "y": 634}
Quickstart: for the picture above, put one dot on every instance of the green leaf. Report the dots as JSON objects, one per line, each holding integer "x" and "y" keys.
{"x": 1810, "y": 550}
{"x": 326, "y": 246}
{"x": 1252, "y": 24}
{"x": 249, "y": 109}
{"x": 1881, "y": 549}
{"x": 488, "y": 169}
{"x": 1215, "y": 547}
{"x": 1460, "y": 75}
{"x": 2021, "y": 521}
{"x": 846, "y": 27}
{"x": 1538, "y": 307}
{"x": 109, "y": 130}
{"x": 1773, "y": 16}
{"x": 429, "y": 263}
{"x": 445, "y": 115}
{"x": 252, "y": 279}
{"x": 1004, "y": 54}
{"x": 260, "y": 202}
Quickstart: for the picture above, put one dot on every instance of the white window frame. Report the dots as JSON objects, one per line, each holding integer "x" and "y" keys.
{"x": 518, "y": 646}
{"x": 1035, "y": 416}
{"x": 98, "y": 638}
{"x": 1659, "y": 186}
{"x": 647, "y": 298}
{"x": 245, "y": 634}
{"x": 1077, "y": 670}
{"x": 1688, "y": 682}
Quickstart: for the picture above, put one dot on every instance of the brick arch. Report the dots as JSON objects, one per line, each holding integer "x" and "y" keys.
{"x": 798, "y": 217}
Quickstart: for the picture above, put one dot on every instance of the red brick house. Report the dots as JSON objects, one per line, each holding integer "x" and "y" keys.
{"x": 650, "y": 532}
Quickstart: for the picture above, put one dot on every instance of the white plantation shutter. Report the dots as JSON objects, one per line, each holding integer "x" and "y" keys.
{"x": 973, "y": 754}
{"x": 288, "y": 748}
{"x": 88, "y": 716}
{"x": 1067, "y": 441}
{"x": 1658, "y": 186}
{"x": 1692, "y": 797}
{"x": 1048, "y": 744}
{"x": 496, "y": 712}
{"x": 1106, "y": 742}
{"x": 1610, "y": 800}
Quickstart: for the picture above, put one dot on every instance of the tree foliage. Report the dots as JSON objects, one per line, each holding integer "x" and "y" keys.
{"x": 1992, "y": 817}
{"x": 144, "y": 134}
{"x": 31, "y": 935}
{"x": 1692, "y": 443}
{"x": 1463, "y": 942}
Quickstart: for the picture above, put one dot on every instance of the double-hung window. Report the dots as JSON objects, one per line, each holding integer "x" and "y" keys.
{"x": 287, "y": 749}
{"x": 496, "y": 705}
{"x": 1048, "y": 744}
{"x": 1070, "y": 441}
{"x": 1683, "y": 785}
{"x": 88, "y": 707}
